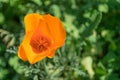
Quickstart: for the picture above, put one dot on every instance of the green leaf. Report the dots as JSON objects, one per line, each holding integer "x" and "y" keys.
{"x": 103, "y": 8}
{"x": 35, "y": 77}
{"x": 56, "y": 10}
{"x": 87, "y": 63}
{"x": 2, "y": 18}
{"x": 89, "y": 30}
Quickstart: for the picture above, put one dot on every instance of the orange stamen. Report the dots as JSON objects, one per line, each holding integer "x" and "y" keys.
{"x": 39, "y": 44}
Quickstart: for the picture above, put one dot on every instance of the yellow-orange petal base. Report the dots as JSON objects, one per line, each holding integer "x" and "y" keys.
{"x": 43, "y": 35}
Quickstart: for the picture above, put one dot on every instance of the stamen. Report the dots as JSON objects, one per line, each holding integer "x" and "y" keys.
{"x": 39, "y": 44}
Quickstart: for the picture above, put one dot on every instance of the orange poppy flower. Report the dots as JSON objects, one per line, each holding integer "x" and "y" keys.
{"x": 43, "y": 35}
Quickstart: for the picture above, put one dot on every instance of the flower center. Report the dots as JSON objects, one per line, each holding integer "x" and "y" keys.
{"x": 39, "y": 44}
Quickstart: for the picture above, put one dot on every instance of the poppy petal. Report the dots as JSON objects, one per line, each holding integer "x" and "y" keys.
{"x": 31, "y": 21}
{"x": 57, "y": 30}
{"x": 21, "y": 53}
{"x": 31, "y": 55}
{"x": 43, "y": 30}
{"x": 50, "y": 55}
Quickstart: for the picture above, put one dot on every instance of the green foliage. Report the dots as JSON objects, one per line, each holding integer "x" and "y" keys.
{"x": 92, "y": 48}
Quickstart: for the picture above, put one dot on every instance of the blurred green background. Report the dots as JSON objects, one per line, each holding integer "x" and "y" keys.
{"x": 92, "y": 48}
